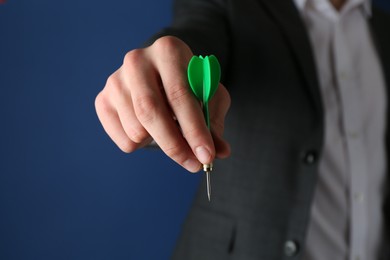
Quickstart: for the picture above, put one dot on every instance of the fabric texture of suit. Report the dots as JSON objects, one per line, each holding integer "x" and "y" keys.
{"x": 262, "y": 194}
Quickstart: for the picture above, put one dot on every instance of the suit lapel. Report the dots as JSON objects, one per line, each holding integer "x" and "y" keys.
{"x": 380, "y": 33}
{"x": 379, "y": 29}
{"x": 288, "y": 19}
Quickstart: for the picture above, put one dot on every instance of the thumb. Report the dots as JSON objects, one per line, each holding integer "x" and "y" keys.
{"x": 219, "y": 106}
{"x": 222, "y": 147}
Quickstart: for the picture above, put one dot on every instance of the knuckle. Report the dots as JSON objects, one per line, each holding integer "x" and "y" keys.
{"x": 218, "y": 126}
{"x": 175, "y": 152}
{"x": 101, "y": 103}
{"x": 177, "y": 95}
{"x": 114, "y": 88}
{"x": 139, "y": 135}
{"x": 132, "y": 58}
{"x": 146, "y": 108}
{"x": 192, "y": 133}
{"x": 127, "y": 146}
{"x": 226, "y": 97}
{"x": 112, "y": 80}
{"x": 167, "y": 44}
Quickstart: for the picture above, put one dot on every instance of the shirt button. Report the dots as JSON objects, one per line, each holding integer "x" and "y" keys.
{"x": 353, "y": 135}
{"x": 359, "y": 197}
{"x": 310, "y": 157}
{"x": 290, "y": 248}
{"x": 343, "y": 74}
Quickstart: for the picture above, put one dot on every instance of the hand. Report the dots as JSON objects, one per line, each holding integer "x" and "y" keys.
{"x": 148, "y": 97}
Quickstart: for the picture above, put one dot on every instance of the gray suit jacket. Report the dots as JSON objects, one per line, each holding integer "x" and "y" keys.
{"x": 263, "y": 192}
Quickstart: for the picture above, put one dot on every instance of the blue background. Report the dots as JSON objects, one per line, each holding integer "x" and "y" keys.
{"x": 66, "y": 191}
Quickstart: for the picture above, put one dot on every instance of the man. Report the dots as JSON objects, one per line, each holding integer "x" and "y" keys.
{"x": 307, "y": 125}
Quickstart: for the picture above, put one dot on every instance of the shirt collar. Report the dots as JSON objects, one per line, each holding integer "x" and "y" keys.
{"x": 300, "y": 4}
{"x": 365, "y": 5}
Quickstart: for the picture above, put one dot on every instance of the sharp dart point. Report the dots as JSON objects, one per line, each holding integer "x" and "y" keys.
{"x": 208, "y": 185}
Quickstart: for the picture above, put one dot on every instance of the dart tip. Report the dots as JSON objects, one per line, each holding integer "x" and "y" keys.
{"x": 208, "y": 185}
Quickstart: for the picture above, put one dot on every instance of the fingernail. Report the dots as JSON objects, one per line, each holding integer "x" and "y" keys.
{"x": 203, "y": 154}
{"x": 192, "y": 165}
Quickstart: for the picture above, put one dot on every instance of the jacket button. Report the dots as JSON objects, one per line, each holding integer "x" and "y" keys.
{"x": 310, "y": 157}
{"x": 290, "y": 248}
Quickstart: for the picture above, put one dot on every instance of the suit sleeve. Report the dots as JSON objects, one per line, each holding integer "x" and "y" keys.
{"x": 202, "y": 25}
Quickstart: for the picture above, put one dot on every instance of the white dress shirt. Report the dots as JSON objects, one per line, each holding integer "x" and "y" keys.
{"x": 346, "y": 219}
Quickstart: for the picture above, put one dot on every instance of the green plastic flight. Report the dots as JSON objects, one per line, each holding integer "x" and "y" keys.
{"x": 204, "y": 74}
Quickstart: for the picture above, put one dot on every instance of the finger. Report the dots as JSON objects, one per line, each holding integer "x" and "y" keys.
{"x": 221, "y": 146}
{"x": 172, "y": 67}
{"x": 219, "y": 106}
{"x": 152, "y": 112}
{"x": 124, "y": 106}
{"x": 112, "y": 125}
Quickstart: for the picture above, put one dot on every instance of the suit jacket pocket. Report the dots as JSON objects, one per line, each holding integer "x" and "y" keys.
{"x": 206, "y": 235}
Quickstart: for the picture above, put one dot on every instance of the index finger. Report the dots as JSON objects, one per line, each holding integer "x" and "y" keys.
{"x": 172, "y": 66}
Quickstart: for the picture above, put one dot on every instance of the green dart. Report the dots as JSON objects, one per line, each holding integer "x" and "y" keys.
{"x": 204, "y": 75}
